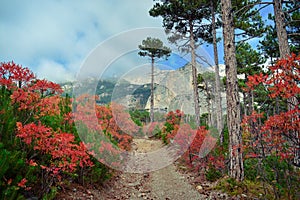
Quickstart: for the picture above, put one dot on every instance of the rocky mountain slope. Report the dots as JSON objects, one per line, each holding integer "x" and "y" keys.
{"x": 173, "y": 89}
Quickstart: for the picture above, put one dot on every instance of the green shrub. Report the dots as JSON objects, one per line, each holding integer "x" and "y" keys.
{"x": 278, "y": 176}
{"x": 212, "y": 174}
{"x": 250, "y": 167}
{"x": 157, "y": 132}
{"x": 252, "y": 189}
{"x": 97, "y": 174}
{"x": 139, "y": 116}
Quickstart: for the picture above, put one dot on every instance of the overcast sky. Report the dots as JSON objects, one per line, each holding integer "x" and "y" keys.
{"x": 53, "y": 37}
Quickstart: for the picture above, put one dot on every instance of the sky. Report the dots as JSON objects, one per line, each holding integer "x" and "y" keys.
{"x": 54, "y": 37}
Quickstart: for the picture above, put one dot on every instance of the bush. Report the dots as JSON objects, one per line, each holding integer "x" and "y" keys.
{"x": 212, "y": 174}
{"x": 39, "y": 144}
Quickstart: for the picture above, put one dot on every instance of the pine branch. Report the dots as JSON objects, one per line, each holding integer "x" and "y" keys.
{"x": 290, "y": 22}
{"x": 253, "y": 4}
{"x": 246, "y": 39}
{"x": 203, "y": 59}
{"x": 292, "y": 10}
{"x": 294, "y": 34}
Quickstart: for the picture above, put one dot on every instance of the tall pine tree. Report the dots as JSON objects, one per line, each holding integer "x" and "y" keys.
{"x": 236, "y": 166}
{"x": 185, "y": 21}
{"x": 153, "y": 48}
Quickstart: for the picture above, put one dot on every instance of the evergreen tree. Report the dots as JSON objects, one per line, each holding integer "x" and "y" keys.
{"x": 293, "y": 27}
{"x": 218, "y": 100}
{"x": 249, "y": 62}
{"x": 269, "y": 45}
{"x": 236, "y": 167}
{"x": 248, "y": 22}
{"x": 153, "y": 48}
{"x": 185, "y": 21}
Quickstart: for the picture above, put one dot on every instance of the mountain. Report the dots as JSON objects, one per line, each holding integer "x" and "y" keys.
{"x": 120, "y": 91}
{"x": 173, "y": 89}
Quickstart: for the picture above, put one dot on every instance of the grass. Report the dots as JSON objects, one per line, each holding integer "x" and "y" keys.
{"x": 252, "y": 189}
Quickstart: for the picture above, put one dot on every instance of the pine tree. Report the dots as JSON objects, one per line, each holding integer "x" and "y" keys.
{"x": 249, "y": 62}
{"x": 236, "y": 168}
{"x": 218, "y": 100}
{"x": 184, "y": 20}
{"x": 153, "y": 48}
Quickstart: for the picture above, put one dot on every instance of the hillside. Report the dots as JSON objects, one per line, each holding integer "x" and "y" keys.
{"x": 130, "y": 95}
{"x": 173, "y": 89}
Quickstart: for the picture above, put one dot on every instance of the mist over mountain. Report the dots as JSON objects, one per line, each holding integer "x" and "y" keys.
{"x": 173, "y": 89}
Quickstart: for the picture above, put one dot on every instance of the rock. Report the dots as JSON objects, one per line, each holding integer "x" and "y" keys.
{"x": 243, "y": 195}
{"x": 199, "y": 187}
{"x": 140, "y": 195}
{"x": 134, "y": 184}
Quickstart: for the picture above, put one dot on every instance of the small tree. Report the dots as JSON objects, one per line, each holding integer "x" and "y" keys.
{"x": 153, "y": 48}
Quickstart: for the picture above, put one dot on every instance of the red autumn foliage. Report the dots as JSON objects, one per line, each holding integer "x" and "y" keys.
{"x": 45, "y": 87}
{"x": 255, "y": 80}
{"x": 15, "y": 76}
{"x": 278, "y": 134}
{"x": 123, "y": 119}
{"x": 65, "y": 152}
{"x": 115, "y": 121}
{"x": 199, "y": 152}
{"x": 39, "y": 98}
{"x": 172, "y": 124}
{"x": 285, "y": 77}
{"x": 283, "y": 80}
{"x": 22, "y": 183}
{"x": 195, "y": 145}
{"x": 27, "y": 100}
{"x": 111, "y": 120}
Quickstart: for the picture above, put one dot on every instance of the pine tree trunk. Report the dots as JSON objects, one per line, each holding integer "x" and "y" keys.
{"x": 236, "y": 168}
{"x": 219, "y": 114}
{"x": 284, "y": 48}
{"x": 194, "y": 75}
{"x": 284, "y": 51}
{"x": 152, "y": 92}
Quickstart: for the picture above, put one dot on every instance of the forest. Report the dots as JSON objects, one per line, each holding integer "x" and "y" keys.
{"x": 52, "y": 140}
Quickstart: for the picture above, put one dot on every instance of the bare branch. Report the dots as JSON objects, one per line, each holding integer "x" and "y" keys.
{"x": 246, "y": 39}
{"x": 251, "y": 5}
{"x": 294, "y": 34}
{"x": 292, "y": 10}
{"x": 204, "y": 60}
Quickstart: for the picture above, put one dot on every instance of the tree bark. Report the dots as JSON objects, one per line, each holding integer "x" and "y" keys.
{"x": 152, "y": 92}
{"x": 236, "y": 168}
{"x": 219, "y": 114}
{"x": 284, "y": 51}
{"x": 284, "y": 48}
{"x": 194, "y": 75}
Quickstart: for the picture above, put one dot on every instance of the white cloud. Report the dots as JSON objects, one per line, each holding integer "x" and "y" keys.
{"x": 62, "y": 32}
{"x": 53, "y": 71}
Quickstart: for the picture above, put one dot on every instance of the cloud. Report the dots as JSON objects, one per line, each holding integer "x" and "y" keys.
{"x": 61, "y": 32}
{"x": 53, "y": 71}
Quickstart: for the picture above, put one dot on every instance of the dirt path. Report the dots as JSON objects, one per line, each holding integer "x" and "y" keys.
{"x": 166, "y": 183}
